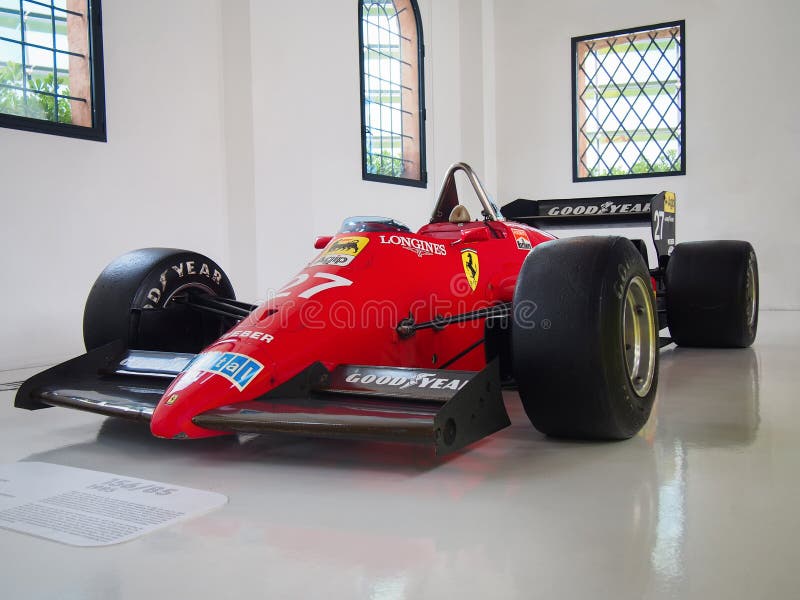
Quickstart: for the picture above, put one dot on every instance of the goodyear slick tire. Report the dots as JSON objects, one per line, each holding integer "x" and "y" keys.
{"x": 132, "y": 301}
{"x": 712, "y": 294}
{"x": 568, "y": 338}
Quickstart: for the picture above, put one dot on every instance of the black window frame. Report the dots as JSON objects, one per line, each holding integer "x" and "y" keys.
{"x": 422, "y": 182}
{"x": 97, "y": 132}
{"x": 575, "y": 127}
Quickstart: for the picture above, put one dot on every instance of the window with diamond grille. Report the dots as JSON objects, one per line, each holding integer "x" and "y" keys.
{"x": 51, "y": 67}
{"x": 392, "y": 98}
{"x": 628, "y": 103}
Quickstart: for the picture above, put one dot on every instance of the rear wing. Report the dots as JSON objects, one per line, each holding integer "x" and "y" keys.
{"x": 658, "y": 210}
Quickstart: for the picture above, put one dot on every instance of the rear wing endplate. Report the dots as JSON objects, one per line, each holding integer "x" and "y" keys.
{"x": 658, "y": 210}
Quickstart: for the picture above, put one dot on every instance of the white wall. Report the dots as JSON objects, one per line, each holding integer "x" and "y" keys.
{"x": 68, "y": 206}
{"x": 741, "y": 110}
{"x": 237, "y": 101}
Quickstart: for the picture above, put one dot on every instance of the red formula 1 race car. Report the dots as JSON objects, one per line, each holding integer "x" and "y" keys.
{"x": 394, "y": 335}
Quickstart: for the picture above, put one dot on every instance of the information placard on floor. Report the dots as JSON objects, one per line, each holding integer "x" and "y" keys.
{"x": 92, "y": 508}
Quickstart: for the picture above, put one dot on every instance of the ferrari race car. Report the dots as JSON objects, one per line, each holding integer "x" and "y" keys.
{"x": 394, "y": 335}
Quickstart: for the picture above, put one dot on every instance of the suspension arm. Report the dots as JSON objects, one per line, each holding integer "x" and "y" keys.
{"x": 219, "y": 306}
{"x": 409, "y": 327}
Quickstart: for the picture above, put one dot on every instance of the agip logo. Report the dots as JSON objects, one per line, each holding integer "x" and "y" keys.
{"x": 469, "y": 258}
{"x": 239, "y": 369}
{"x": 342, "y": 251}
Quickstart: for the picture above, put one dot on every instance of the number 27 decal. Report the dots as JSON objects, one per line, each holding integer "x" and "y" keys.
{"x": 658, "y": 221}
{"x": 332, "y": 282}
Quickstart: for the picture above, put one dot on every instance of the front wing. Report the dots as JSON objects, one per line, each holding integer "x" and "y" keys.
{"x": 445, "y": 409}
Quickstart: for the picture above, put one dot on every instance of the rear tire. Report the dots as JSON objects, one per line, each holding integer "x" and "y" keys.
{"x": 584, "y": 338}
{"x": 133, "y": 300}
{"x": 712, "y": 294}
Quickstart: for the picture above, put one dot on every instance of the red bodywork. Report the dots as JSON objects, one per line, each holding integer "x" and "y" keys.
{"x": 346, "y": 305}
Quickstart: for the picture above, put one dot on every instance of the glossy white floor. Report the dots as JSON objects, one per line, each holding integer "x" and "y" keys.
{"x": 702, "y": 504}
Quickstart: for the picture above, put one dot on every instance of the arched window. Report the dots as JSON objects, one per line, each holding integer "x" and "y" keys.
{"x": 392, "y": 96}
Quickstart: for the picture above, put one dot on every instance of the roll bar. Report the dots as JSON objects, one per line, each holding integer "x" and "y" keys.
{"x": 448, "y": 195}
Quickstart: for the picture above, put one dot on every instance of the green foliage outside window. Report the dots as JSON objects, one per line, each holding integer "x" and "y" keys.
{"x": 384, "y": 165}
{"x": 668, "y": 164}
{"x": 13, "y": 101}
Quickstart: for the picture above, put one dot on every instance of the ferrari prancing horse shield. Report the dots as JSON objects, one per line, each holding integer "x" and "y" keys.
{"x": 471, "y": 267}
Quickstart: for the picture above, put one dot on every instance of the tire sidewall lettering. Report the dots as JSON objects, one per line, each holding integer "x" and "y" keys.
{"x": 188, "y": 271}
{"x": 624, "y": 274}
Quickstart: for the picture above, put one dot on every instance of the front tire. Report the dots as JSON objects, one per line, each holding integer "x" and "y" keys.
{"x": 584, "y": 338}
{"x": 135, "y": 299}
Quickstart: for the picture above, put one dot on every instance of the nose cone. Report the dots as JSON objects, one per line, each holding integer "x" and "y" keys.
{"x": 213, "y": 379}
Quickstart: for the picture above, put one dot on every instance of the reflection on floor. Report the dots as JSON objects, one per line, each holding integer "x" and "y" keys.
{"x": 701, "y": 504}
